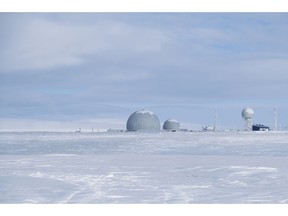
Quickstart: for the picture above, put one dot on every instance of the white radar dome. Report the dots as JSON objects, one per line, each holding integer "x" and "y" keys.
{"x": 247, "y": 113}
{"x": 143, "y": 120}
{"x": 171, "y": 125}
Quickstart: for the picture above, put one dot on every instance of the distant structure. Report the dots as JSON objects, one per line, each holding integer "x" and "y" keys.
{"x": 215, "y": 120}
{"x": 143, "y": 120}
{"x": 260, "y": 127}
{"x": 247, "y": 115}
{"x": 171, "y": 125}
{"x": 115, "y": 130}
{"x": 208, "y": 128}
{"x": 275, "y": 119}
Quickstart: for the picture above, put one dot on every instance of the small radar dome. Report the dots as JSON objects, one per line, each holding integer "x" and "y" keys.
{"x": 143, "y": 120}
{"x": 247, "y": 113}
{"x": 171, "y": 125}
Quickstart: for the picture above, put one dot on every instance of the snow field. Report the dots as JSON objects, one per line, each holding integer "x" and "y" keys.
{"x": 224, "y": 167}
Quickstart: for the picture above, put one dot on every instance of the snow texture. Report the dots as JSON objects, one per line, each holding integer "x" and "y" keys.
{"x": 212, "y": 167}
{"x": 144, "y": 112}
{"x": 172, "y": 120}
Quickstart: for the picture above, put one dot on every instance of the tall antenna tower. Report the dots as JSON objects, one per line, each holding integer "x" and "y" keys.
{"x": 275, "y": 119}
{"x": 247, "y": 115}
{"x": 215, "y": 120}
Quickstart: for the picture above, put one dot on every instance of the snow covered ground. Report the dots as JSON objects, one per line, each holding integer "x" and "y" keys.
{"x": 181, "y": 167}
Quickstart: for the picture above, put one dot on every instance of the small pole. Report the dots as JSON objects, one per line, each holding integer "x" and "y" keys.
{"x": 215, "y": 119}
{"x": 275, "y": 119}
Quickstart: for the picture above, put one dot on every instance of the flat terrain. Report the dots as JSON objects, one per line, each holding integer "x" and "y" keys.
{"x": 220, "y": 167}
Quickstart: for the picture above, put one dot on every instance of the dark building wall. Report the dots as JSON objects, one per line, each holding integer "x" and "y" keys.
{"x": 260, "y": 128}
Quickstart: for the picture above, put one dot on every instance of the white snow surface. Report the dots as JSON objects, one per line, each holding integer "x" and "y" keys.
{"x": 145, "y": 112}
{"x": 212, "y": 167}
{"x": 173, "y": 120}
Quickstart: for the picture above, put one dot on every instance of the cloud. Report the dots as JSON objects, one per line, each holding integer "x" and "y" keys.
{"x": 86, "y": 125}
{"x": 43, "y": 44}
{"x": 256, "y": 75}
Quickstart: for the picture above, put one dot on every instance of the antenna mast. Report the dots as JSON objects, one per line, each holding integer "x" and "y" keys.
{"x": 215, "y": 120}
{"x": 275, "y": 119}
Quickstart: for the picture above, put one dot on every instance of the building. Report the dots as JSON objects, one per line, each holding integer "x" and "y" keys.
{"x": 171, "y": 125}
{"x": 208, "y": 128}
{"x": 247, "y": 115}
{"x": 143, "y": 120}
{"x": 259, "y": 127}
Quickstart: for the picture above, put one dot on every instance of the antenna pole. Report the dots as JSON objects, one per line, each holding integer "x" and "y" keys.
{"x": 275, "y": 119}
{"x": 215, "y": 119}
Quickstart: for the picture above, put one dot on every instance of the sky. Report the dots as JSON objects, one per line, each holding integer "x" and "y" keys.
{"x": 64, "y": 71}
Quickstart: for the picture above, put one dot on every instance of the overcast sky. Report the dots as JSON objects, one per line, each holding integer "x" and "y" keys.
{"x": 70, "y": 70}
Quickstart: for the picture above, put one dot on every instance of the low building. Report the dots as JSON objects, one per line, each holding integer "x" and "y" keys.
{"x": 259, "y": 127}
{"x": 208, "y": 128}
